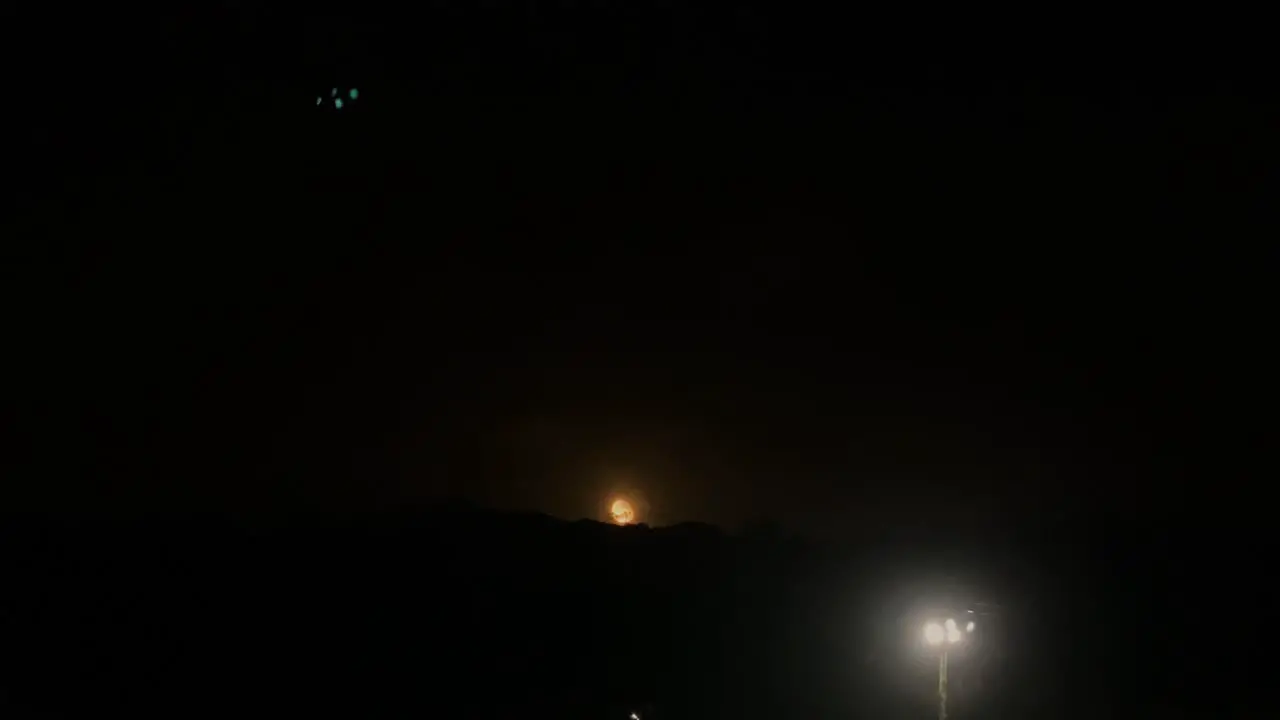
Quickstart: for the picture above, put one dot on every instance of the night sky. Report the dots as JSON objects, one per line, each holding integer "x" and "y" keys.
{"x": 748, "y": 265}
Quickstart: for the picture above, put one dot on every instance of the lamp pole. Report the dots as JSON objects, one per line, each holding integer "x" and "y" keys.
{"x": 942, "y": 635}
{"x": 942, "y": 685}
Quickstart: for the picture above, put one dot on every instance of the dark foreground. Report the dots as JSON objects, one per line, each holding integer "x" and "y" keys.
{"x": 472, "y": 614}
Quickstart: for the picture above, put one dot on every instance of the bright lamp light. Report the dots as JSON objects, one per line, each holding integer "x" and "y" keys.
{"x": 947, "y": 631}
{"x": 953, "y": 633}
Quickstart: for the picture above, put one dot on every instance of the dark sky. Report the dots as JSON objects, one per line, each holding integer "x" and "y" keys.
{"x": 751, "y": 263}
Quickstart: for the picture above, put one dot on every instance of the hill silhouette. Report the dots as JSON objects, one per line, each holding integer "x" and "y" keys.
{"x": 473, "y": 613}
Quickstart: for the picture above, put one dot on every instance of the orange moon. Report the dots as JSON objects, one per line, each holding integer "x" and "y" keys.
{"x": 621, "y": 512}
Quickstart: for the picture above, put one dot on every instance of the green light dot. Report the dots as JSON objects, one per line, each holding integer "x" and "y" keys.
{"x": 333, "y": 92}
{"x": 317, "y": 100}
{"x": 354, "y": 93}
{"x": 338, "y": 103}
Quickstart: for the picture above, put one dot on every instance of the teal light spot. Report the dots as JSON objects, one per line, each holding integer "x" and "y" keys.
{"x": 338, "y": 103}
{"x": 317, "y": 100}
{"x": 333, "y": 92}
{"x": 354, "y": 93}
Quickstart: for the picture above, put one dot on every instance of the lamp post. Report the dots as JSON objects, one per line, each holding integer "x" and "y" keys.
{"x": 943, "y": 635}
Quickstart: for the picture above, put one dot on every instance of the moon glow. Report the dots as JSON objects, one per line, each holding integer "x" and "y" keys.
{"x": 621, "y": 512}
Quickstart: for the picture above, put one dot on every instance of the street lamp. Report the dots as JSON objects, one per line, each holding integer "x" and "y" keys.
{"x": 943, "y": 635}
